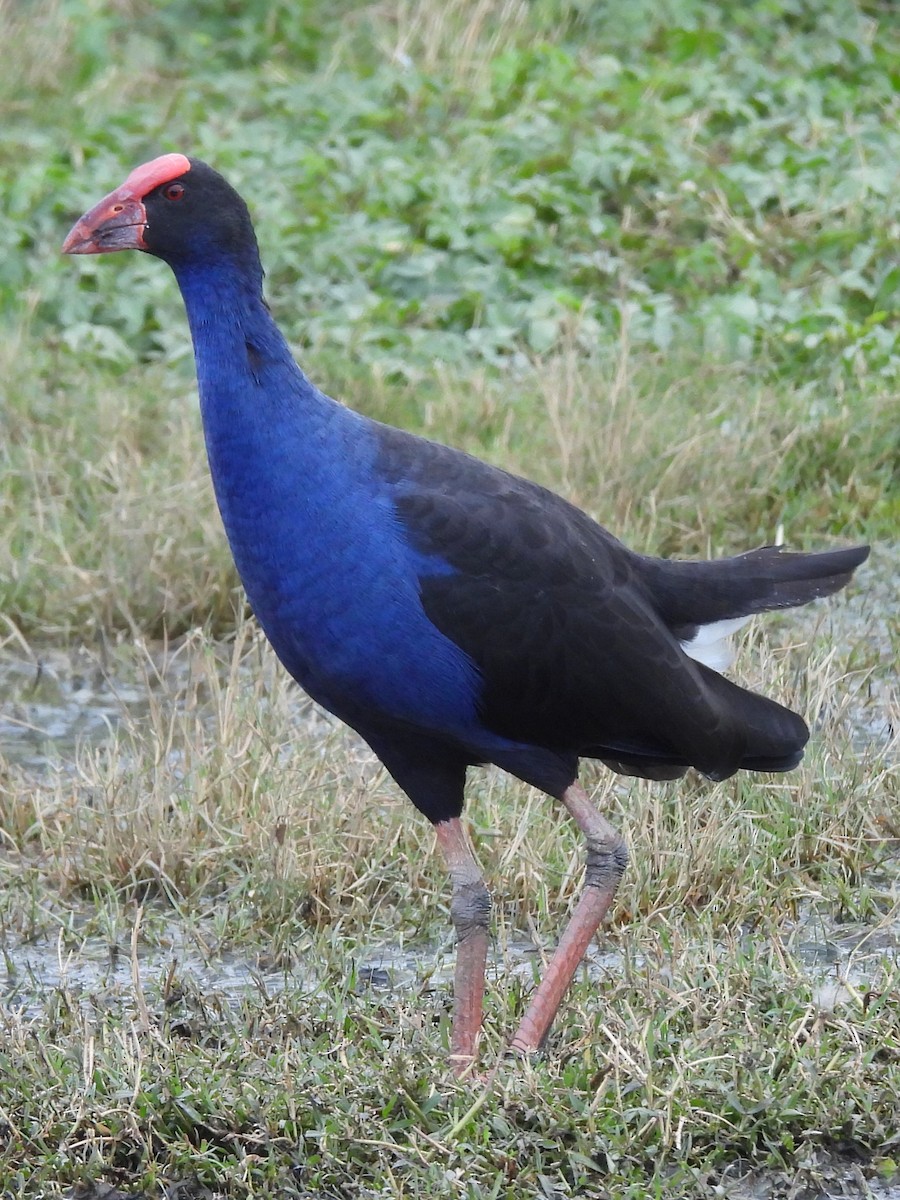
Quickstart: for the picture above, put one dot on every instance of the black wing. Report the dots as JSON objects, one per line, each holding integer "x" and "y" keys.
{"x": 552, "y": 609}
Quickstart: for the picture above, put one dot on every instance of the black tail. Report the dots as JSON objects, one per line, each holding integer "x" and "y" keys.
{"x": 688, "y": 594}
{"x": 766, "y": 736}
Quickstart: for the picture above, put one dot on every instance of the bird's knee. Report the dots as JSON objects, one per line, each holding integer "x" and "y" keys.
{"x": 607, "y": 858}
{"x": 470, "y": 908}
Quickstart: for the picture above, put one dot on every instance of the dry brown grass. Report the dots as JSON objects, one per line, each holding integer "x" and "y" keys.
{"x": 458, "y": 39}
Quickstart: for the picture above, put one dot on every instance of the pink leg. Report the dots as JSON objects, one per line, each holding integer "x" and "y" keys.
{"x": 606, "y": 861}
{"x": 469, "y": 909}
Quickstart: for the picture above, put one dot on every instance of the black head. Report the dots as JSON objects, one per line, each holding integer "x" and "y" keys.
{"x": 175, "y": 207}
{"x": 198, "y": 212}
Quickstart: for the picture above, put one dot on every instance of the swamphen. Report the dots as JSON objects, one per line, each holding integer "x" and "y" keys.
{"x": 449, "y": 612}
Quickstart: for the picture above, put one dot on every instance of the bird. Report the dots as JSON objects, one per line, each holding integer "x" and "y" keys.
{"x": 451, "y": 613}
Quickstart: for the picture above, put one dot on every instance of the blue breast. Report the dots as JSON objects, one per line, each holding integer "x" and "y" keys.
{"x": 327, "y": 568}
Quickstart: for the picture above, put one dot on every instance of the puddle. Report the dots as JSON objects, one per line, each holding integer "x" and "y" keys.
{"x": 842, "y": 960}
{"x": 53, "y": 701}
{"x": 865, "y": 619}
{"x": 99, "y": 974}
{"x": 845, "y": 1182}
{"x": 839, "y": 960}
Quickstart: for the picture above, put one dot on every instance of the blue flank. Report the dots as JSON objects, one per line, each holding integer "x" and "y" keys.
{"x": 327, "y": 567}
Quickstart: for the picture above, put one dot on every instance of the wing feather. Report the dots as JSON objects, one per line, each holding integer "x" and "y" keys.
{"x": 552, "y": 610}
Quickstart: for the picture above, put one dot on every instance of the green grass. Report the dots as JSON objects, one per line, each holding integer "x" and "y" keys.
{"x": 644, "y": 253}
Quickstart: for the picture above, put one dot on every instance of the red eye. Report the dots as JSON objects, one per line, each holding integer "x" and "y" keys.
{"x": 174, "y": 191}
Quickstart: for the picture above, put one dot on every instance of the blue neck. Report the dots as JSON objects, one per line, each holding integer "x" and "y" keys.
{"x": 236, "y": 341}
{"x": 261, "y": 415}
{"x": 276, "y": 444}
